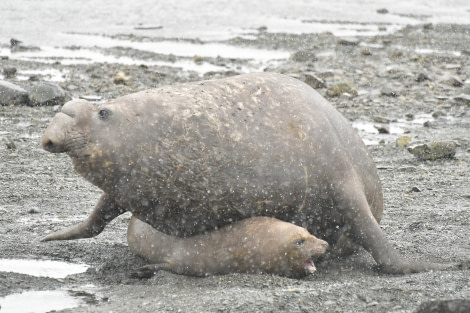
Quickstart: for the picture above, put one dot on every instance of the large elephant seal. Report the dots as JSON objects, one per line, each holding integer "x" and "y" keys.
{"x": 253, "y": 245}
{"x": 189, "y": 158}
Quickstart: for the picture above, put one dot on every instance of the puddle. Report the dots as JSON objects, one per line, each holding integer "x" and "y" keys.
{"x": 370, "y": 134}
{"x": 88, "y": 53}
{"x": 44, "y": 301}
{"x": 41, "y": 268}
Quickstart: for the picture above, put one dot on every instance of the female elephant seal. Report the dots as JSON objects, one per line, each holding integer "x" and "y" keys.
{"x": 192, "y": 157}
{"x": 253, "y": 245}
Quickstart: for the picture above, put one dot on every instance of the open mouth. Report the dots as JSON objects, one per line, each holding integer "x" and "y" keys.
{"x": 310, "y": 267}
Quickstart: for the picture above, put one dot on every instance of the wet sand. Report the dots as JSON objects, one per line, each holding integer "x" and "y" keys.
{"x": 414, "y": 79}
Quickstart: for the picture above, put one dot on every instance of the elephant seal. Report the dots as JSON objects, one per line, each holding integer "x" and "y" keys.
{"x": 193, "y": 157}
{"x": 252, "y": 245}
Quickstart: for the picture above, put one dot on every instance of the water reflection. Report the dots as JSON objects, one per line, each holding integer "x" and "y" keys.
{"x": 41, "y": 268}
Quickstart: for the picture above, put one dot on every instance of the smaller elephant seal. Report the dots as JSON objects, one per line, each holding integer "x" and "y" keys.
{"x": 253, "y": 245}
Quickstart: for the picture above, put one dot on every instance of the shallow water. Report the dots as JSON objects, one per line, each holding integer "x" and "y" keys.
{"x": 39, "y": 301}
{"x": 41, "y": 268}
{"x": 55, "y": 24}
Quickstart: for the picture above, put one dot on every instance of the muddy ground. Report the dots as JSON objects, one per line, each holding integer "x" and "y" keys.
{"x": 413, "y": 78}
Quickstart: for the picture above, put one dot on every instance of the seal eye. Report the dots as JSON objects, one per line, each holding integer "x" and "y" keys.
{"x": 103, "y": 114}
{"x": 299, "y": 242}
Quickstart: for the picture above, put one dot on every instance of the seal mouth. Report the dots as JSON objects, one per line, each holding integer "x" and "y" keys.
{"x": 310, "y": 267}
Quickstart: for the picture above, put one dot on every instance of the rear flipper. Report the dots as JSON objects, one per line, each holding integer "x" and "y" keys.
{"x": 362, "y": 228}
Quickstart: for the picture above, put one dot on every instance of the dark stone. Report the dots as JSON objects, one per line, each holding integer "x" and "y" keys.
{"x": 303, "y": 56}
{"x": 422, "y": 77}
{"x": 12, "y": 94}
{"x": 9, "y": 71}
{"x": 312, "y": 80}
{"x": 348, "y": 41}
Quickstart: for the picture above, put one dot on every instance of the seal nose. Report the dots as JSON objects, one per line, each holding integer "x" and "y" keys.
{"x": 54, "y": 138}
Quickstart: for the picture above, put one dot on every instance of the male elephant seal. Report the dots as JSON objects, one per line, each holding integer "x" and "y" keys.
{"x": 253, "y": 245}
{"x": 192, "y": 157}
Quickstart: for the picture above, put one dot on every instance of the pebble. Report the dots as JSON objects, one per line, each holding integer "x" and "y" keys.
{"x": 9, "y": 71}
{"x": 366, "y": 51}
{"x": 380, "y": 119}
{"x": 340, "y": 88}
{"x": 382, "y": 129}
{"x": 382, "y": 11}
{"x": 312, "y": 80}
{"x": 12, "y": 94}
{"x": 120, "y": 78}
{"x": 434, "y": 150}
{"x": 402, "y": 141}
{"x": 10, "y": 144}
{"x": 348, "y": 41}
{"x": 453, "y": 81}
{"x": 388, "y": 92}
{"x": 463, "y": 99}
{"x": 91, "y": 97}
{"x": 34, "y": 210}
{"x": 422, "y": 77}
{"x": 303, "y": 56}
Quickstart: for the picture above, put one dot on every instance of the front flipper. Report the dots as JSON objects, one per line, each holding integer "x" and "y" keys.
{"x": 104, "y": 212}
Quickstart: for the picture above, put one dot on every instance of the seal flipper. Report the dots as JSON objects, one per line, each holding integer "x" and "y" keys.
{"x": 104, "y": 212}
{"x": 364, "y": 229}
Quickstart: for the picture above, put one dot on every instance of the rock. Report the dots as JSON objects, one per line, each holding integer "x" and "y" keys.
{"x": 462, "y": 99}
{"x": 120, "y": 78}
{"x": 422, "y": 77}
{"x": 366, "y": 51}
{"x": 382, "y": 11}
{"x": 10, "y": 144}
{"x": 340, "y": 88}
{"x": 90, "y": 97}
{"x": 303, "y": 56}
{"x": 456, "y": 67}
{"x": 348, "y": 41}
{"x": 9, "y": 71}
{"x": 198, "y": 59}
{"x": 48, "y": 94}
{"x": 16, "y": 46}
{"x": 12, "y": 94}
{"x": 445, "y": 306}
{"x": 388, "y": 92}
{"x": 382, "y": 120}
{"x": 312, "y": 80}
{"x": 402, "y": 141}
{"x": 437, "y": 114}
{"x": 428, "y": 26}
{"x": 453, "y": 81}
{"x": 415, "y": 189}
{"x": 34, "y": 210}
{"x": 415, "y": 226}
{"x": 382, "y": 129}
{"x": 434, "y": 150}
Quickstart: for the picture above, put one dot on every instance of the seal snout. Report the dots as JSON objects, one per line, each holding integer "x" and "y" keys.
{"x": 54, "y": 139}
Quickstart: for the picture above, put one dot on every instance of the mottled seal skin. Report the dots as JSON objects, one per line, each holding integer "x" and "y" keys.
{"x": 252, "y": 245}
{"x": 192, "y": 157}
